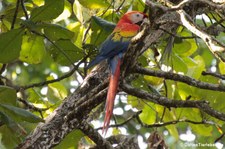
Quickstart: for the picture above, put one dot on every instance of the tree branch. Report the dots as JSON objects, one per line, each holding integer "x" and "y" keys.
{"x": 24, "y": 10}
{"x": 214, "y": 45}
{"x": 214, "y": 74}
{"x": 70, "y": 113}
{"x": 15, "y": 14}
{"x": 94, "y": 135}
{"x": 164, "y": 101}
{"x": 40, "y": 84}
{"x": 180, "y": 78}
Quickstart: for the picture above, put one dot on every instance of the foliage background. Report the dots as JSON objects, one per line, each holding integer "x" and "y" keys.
{"x": 45, "y": 46}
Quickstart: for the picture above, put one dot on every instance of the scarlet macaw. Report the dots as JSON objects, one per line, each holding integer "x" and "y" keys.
{"x": 112, "y": 49}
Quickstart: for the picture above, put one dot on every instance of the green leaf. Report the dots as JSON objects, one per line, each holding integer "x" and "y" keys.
{"x": 50, "y": 10}
{"x": 185, "y": 47}
{"x": 196, "y": 70}
{"x": 148, "y": 116}
{"x": 106, "y": 25}
{"x": 153, "y": 80}
{"x": 93, "y": 4}
{"x": 9, "y": 139}
{"x": 12, "y": 125}
{"x": 33, "y": 96}
{"x": 1, "y": 143}
{"x": 55, "y": 32}
{"x": 179, "y": 64}
{"x": 56, "y": 91}
{"x": 65, "y": 52}
{"x": 33, "y": 49}
{"x": 83, "y": 14}
{"x": 7, "y": 95}
{"x": 71, "y": 140}
{"x": 10, "y": 45}
{"x": 169, "y": 115}
{"x": 203, "y": 130}
{"x": 135, "y": 102}
{"x": 79, "y": 30}
{"x": 222, "y": 67}
{"x": 184, "y": 90}
{"x": 19, "y": 114}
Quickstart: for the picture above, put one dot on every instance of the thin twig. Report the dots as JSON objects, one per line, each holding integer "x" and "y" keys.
{"x": 32, "y": 107}
{"x": 15, "y": 14}
{"x": 174, "y": 35}
{"x": 57, "y": 47}
{"x": 3, "y": 68}
{"x": 214, "y": 74}
{"x": 51, "y": 81}
{"x": 24, "y": 10}
{"x": 123, "y": 123}
{"x": 177, "y": 121}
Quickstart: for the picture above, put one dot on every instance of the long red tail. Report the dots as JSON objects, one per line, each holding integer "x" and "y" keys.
{"x": 113, "y": 85}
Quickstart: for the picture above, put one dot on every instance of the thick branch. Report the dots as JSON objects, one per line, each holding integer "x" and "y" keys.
{"x": 180, "y": 78}
{"x": 161, "y": 100}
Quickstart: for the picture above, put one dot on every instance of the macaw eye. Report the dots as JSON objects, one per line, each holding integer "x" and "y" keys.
{"x": 138, "y": 15}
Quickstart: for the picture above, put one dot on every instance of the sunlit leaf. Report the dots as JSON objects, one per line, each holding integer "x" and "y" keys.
{"x": 205, "y": 53}
{"x": 203, "y": 130}
{"x": 196, "y": 70}
{"x": 79, "y": 30}
{"x": 153, "y": 80}
{"x": 50, "y": 10}
{"x": 185, "y": 47}
{"x": 81, "y": 12}
{"x": 66, "y": 12}
{"x": 222, "y": 67}
{"x": 189, "y": 61}
{"x": 33, "y": 96}
{"x": 148, "y": 115}
{"x": 56, "y": 91}
{"x": 38, "y": 2}
{"x": 179, "y": 64}
{"x": 93, "y": 4}
{"x": 217, "y": 100}
{"x": 184, "y": 90}
{"x": 33, "y": 49}
{"x": 135, "y": 102}
{"x": 10, "y": 45}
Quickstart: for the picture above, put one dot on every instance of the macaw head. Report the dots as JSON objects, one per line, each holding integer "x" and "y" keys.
{"x": 133, "y": 17}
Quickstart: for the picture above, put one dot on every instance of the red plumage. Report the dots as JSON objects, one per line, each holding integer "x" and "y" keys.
{"x": 113, "y": 85}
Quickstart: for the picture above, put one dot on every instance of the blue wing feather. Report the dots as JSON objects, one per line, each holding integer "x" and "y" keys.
{"x": 109, "y": 49}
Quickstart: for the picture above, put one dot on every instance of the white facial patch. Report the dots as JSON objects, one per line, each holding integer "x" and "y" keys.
{"x": 136, "y": 17}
